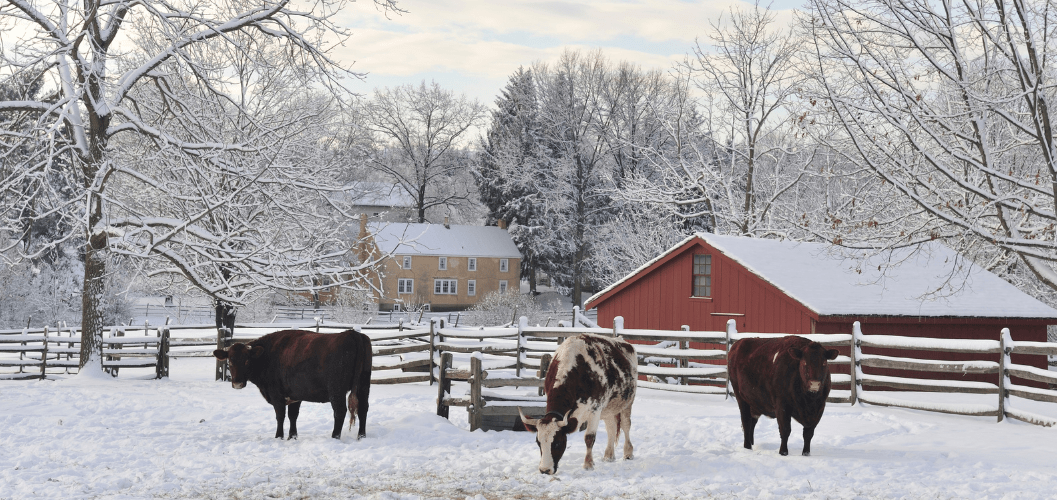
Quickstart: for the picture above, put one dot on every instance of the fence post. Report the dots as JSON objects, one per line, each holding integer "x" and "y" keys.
{"x": 545, "y": 364}
{"x": 522, "y": 324}
{"x": 44, "y": 355}
{"x": 856, "y": 354}
{"x": 318, "y": 321}
{"x": 163, "y": 352}
{"x": 223, "y": 337}
{"x": 102, "y": 359}
{"x": 476, "y": 401}
{"x": 576, "y": 321}
{"x": 618, "y": 326}
{"x": 443, "y": 384}
{"x": 1005, "y": 343}
{"x": 432, "y": 348}
{"x": 732, "y": 332}
{"x": 684, "y": 362}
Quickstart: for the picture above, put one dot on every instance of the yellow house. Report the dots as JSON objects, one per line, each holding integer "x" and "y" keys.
{"x": 440, "y": 266}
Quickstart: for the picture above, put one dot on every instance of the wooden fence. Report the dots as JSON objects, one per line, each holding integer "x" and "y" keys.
{"x": 517, "y": 356}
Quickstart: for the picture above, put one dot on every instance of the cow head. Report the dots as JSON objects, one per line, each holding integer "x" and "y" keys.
{"x": 814, "y": 369}
{"x": 551, "y": 431}
{"x": 240, "y": 357}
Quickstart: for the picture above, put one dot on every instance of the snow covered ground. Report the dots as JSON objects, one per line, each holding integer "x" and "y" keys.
{"x": 191, "y": 437}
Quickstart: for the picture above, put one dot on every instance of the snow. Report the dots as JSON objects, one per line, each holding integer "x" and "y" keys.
{"x": 191, "y": 437}
{"x": 436, "y": 240}
{"x": 829, "y": 284}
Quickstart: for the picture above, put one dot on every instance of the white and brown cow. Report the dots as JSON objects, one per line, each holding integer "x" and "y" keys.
{"x": 592, "y": 378}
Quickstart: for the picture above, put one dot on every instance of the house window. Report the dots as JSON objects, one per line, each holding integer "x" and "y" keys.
{"x": 425, "y": 307}
{"x": 471, "y": 287}
{"x": 702, "y": 275}
{"x": 405, "y": 285}
{"x": 502, "y": 286}
{"x": 504, "y": 265}
{"x": 471, "y": 264}
{"x": 445, "y": 287}
{"x": 443, "y": 266}
{"x": 407, "y": 262}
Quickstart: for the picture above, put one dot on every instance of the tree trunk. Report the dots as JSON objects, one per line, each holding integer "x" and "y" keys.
{"x": 92, "y": 296}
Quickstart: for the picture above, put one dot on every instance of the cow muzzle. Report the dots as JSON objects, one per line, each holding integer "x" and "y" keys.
{"x": 814, "y": 386}
{"x": 546, "y": 471}
{"x": 238, "y": 385}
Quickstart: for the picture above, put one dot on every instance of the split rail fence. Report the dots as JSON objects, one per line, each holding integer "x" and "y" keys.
{"x": 517, "y": 356}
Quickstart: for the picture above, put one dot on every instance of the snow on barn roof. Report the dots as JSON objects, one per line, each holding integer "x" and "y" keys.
{"x": 933, "y": 281}
{"x": 435, "y": 239}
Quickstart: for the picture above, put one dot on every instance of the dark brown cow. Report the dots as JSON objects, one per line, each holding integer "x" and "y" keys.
{"x": 292, "y": 366}
{"x": 782, "y": 378}
{"x": 592, "y": 378}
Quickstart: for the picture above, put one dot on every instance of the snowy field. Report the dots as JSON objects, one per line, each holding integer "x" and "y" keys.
{"x": 191, "y": 437}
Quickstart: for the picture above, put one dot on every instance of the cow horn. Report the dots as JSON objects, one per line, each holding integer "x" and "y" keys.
{"x": 565, "y": 419}
{"x": 528, "y": 421}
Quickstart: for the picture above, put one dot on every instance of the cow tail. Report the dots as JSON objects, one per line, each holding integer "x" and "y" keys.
{"x": 353, "y": 405}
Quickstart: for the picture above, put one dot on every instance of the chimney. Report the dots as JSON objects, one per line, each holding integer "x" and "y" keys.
{"x": 446, "y": 225}
{"x": 501, "y": 223}
{"x": 363, "y": 226}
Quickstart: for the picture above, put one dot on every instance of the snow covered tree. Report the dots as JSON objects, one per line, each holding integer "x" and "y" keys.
{"x": 510, "y": 165}
{"x": 140, "y": 118}
{"x": 947, "y": 107}
{"x": 419, "y": 131}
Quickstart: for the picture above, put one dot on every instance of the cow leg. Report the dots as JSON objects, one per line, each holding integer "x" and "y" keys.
{"x": 589, "y": 440}
{"x": 340, "y": 410}
{"x": 293, "y": 409}
{"x": 612, "y": 433}
{"x": 809, "y": 432}
{"x": 362, "y": 393}
{"x": 748, "y": 424}
{"x": 280, "y": 417}
{"x": 785, "y": 427}
{"x": 625, "y": 421}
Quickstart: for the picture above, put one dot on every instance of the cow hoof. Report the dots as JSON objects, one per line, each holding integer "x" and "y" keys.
{"x": 807, "y": 453}
{"x": 292, "y": 437}
{"x": 361, "y": 436}
{"x": 628, "y": 457}
{"x": 783, "y": 453}
{"x": 589, "y": 466}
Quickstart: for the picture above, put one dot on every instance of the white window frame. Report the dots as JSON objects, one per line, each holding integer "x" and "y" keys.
{"x": 471, "y": 263}
{"x": 471, "y": 288}
{"x": 406, "y": 264}
{"x": 502, "y": 286}
{"x": 405, "y": 286}
{"x": 504, "y": 265}
{"x": 445, "y": 286}
{"x": 442, "y": 263}
{"x": 425, "y": 307}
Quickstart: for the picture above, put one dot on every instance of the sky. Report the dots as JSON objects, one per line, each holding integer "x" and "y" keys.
{"x": 472, "y": 46}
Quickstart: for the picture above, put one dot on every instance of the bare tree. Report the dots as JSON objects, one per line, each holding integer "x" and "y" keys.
{"x": 735, "y": 154}
{"x": 419, "y": 131}
{"x": 137, "y": 127}
{"x": 947, "y": 107}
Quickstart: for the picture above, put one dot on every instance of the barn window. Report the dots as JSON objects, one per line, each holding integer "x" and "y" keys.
{"x": 702, "y": 275}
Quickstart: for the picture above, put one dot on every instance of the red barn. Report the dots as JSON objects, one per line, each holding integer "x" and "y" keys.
{"x": 772, "y": 286}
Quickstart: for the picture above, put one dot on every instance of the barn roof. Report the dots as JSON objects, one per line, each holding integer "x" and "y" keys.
{"x": 436, "y": 240}
{"x": 931, "y": 281}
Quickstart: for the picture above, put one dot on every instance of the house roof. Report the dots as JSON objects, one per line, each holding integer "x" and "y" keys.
{"x": 435, "y": 239}
{"x": 931, "y": 281}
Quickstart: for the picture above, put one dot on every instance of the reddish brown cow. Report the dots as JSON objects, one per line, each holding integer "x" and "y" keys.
{"x": 782, "y": 378}
{"x": 292, "y": 366}
{"x": 591, "y": 379}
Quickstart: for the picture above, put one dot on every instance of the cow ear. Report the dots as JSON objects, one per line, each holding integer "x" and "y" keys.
{"x": 528, "y": 427}
{"x": 832, "y": 353}
{"x": 797, "y": 354}
{"x": 571, "y": 426}
{"x": 220, "y": 354}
